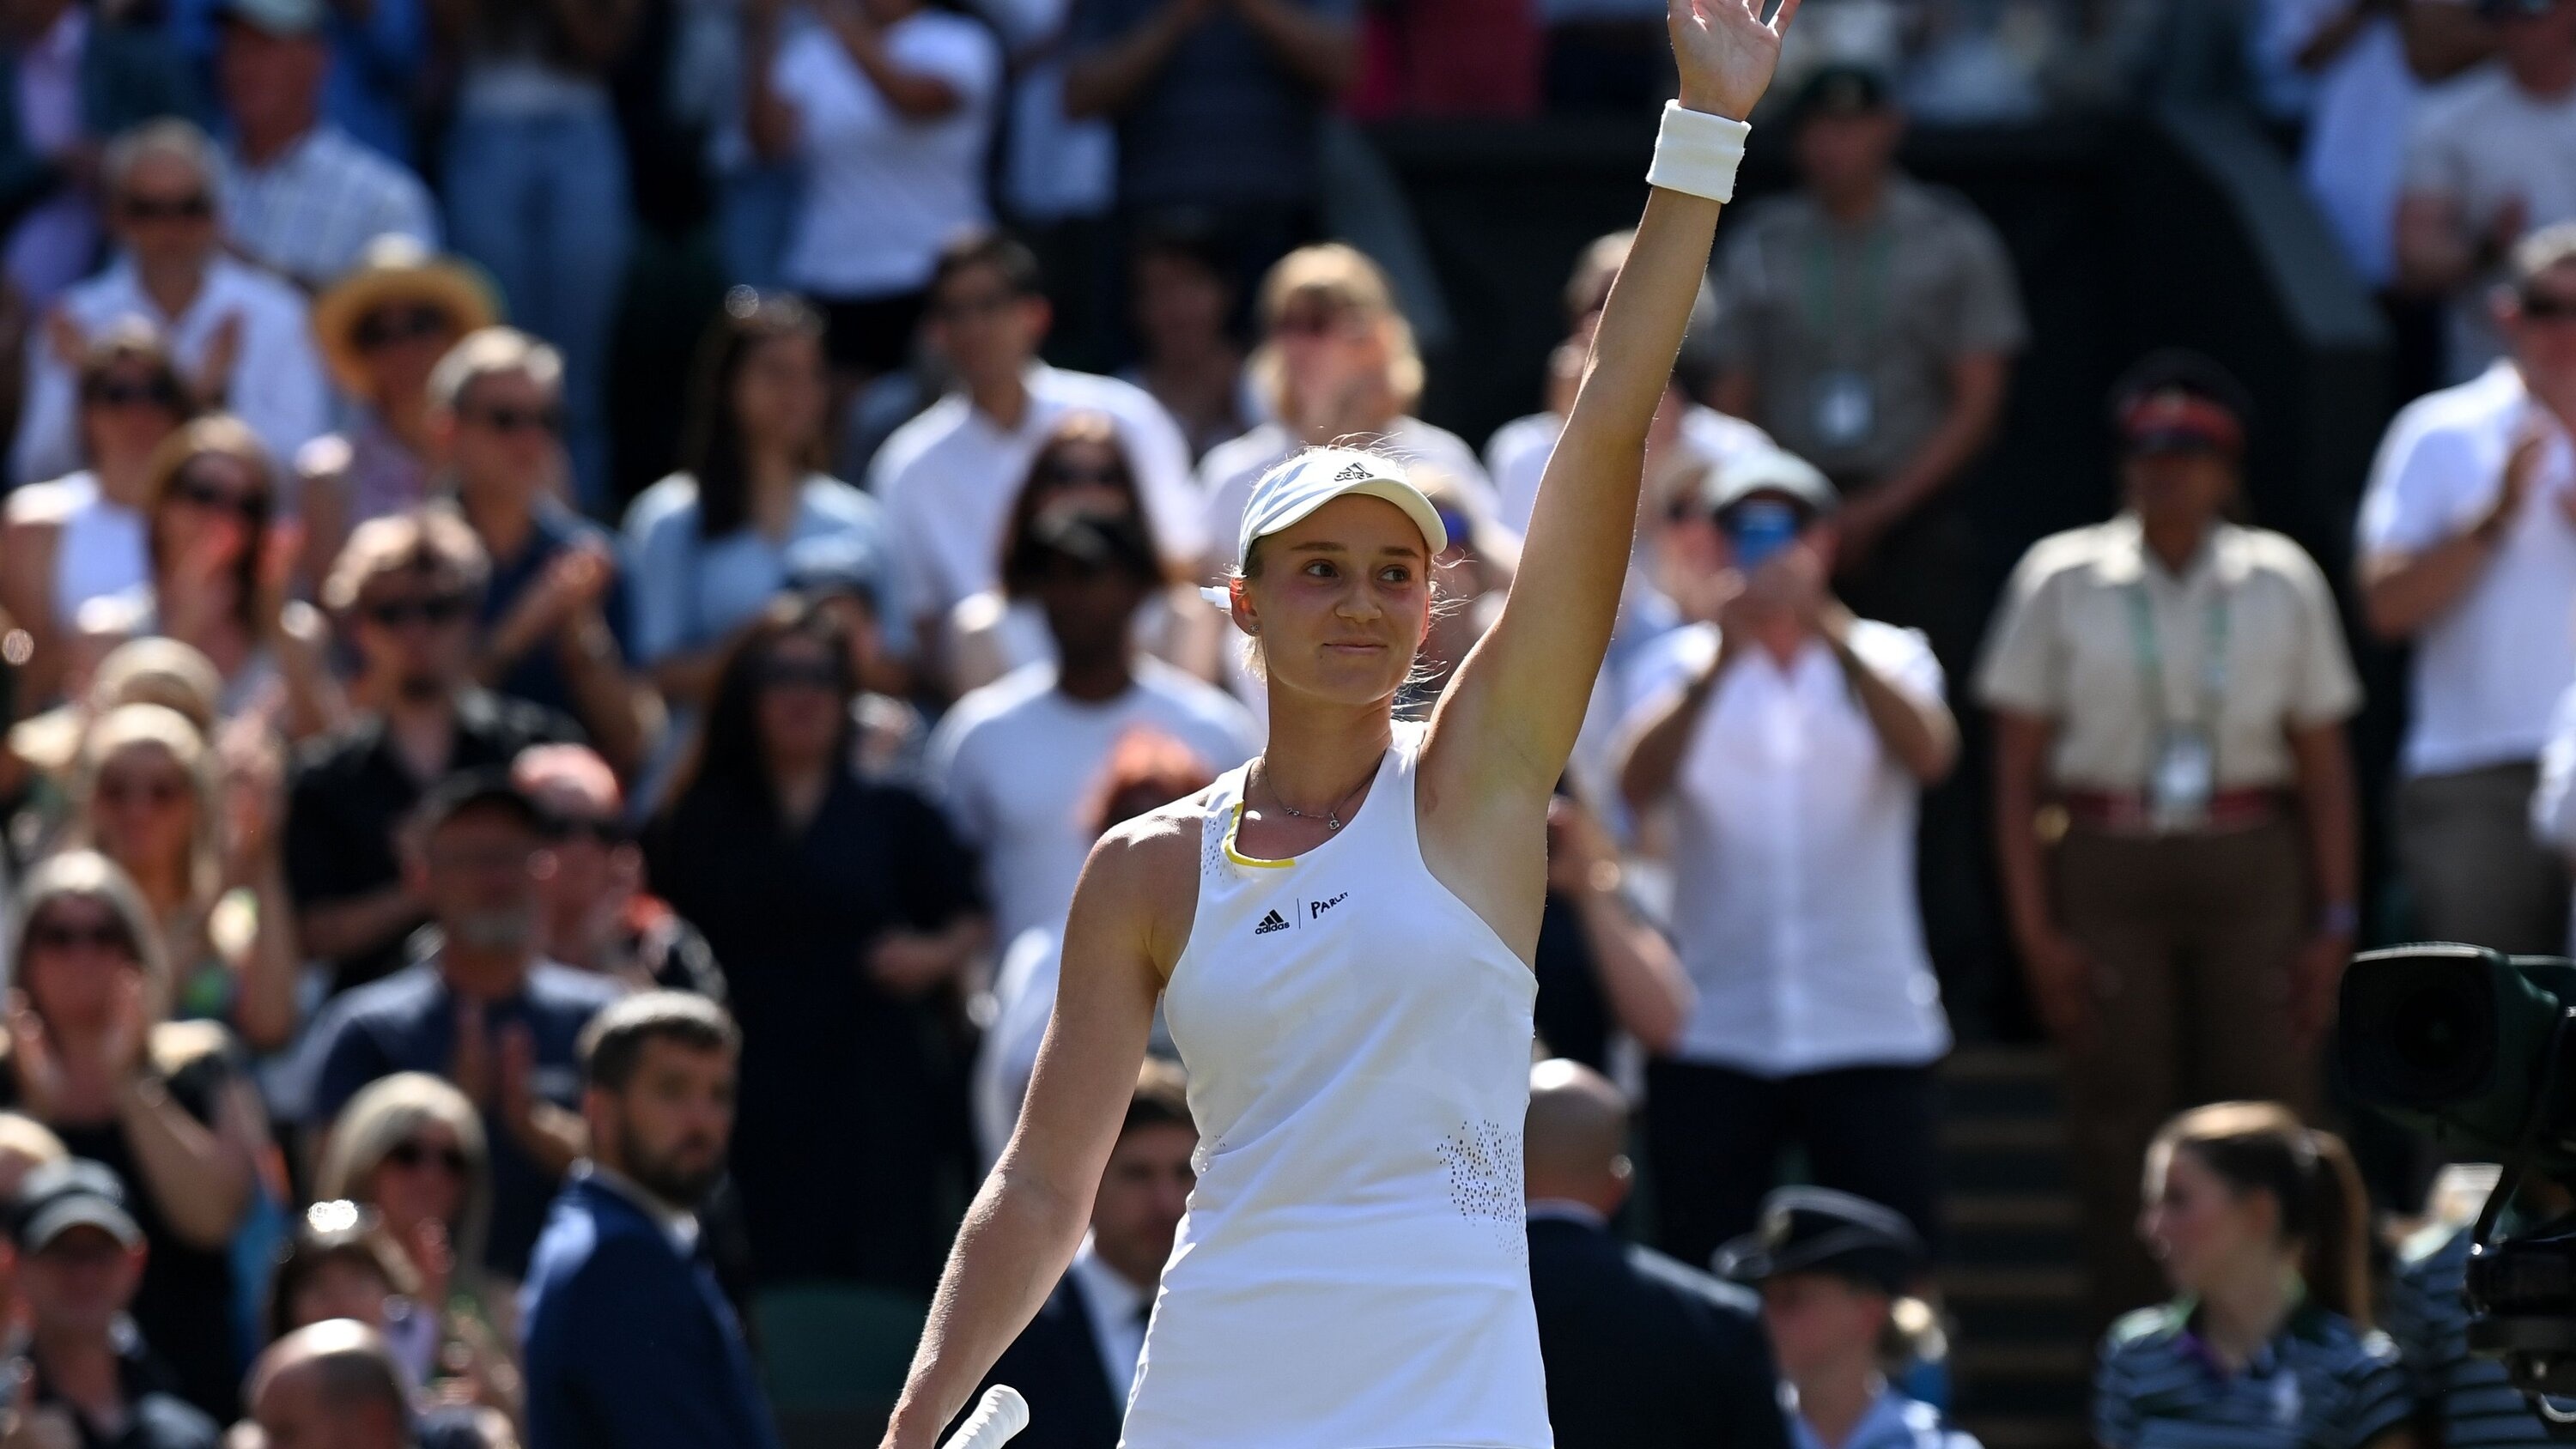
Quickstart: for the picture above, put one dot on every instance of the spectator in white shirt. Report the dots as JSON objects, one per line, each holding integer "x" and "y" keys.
{"x": 947, "y": 478}
{"x": 1794, "y": 748}
{"x": 1014, "y": 762}
{"x": 2468, "y": 551}
{"x": 1337, "y": 365}
{"x": 301, "y": 195}
{"x": 240, "y": 333}
{"x": 888, "y": 104}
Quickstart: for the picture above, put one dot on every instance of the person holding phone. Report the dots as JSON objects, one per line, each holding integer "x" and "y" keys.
{"x": 1793, "y": 742}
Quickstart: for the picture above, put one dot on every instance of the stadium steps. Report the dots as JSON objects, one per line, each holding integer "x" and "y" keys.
{"x": 2012, "y": 1286}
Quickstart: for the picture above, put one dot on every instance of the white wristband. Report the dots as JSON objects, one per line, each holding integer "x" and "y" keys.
{"x": 1697, "y": 153}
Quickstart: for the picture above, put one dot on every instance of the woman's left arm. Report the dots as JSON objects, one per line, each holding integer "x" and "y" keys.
{"x": 1519, "y": 698}
{"x": 200, "y": 1177}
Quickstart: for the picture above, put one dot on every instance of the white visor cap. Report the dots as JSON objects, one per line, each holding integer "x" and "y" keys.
{"x": 1290, "y": 492}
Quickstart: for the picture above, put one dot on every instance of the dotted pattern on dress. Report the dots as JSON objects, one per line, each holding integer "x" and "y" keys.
{"x": 1212, "y": 861}
{"x": 1484, "y": 1162}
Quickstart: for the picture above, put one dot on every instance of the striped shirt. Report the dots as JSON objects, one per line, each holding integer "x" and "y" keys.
{"x": 2319, "y": 1384}
{"x": 2429, "y": 1319}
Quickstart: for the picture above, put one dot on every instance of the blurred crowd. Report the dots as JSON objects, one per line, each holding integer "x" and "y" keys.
{"x": 491, "y": 959}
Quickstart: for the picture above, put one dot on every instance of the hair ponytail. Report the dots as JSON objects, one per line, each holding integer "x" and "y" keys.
{"x": 2309, "y": 1174}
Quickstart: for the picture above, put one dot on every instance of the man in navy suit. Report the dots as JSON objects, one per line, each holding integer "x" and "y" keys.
{"x": 1075, "y": 1360}
{"x": 1639, "y": 1348}
{"x": 630, "y": 1344}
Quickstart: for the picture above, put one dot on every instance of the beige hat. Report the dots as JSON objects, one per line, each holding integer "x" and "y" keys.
{"x": 395, "y": 268}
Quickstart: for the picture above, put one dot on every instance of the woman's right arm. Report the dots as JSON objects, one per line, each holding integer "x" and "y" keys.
{"x": 1025, "y": 1224}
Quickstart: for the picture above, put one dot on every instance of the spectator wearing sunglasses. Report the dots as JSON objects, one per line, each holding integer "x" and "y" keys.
{"x": 341, "y": 1262}
{"x": 382, "y": 328}
{"x": 239, "y": 334}
{"x": 596, "y": 913}
{"x": 405, "y": 590}
{"x": 552, "y": 618}
{"x": 2467, "y": 552}
{"x": 80, "y": 537}
{"x": 1794, "y": 742}
{"x": 221, "y": 569}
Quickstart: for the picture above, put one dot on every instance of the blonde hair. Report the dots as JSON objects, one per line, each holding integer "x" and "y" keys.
{"x": 493, "y": 352}
{"x": 425, "y": 540}
{"x": 1344, "y": 278}
{"x": 384, "y": 1115}
{"x": 153, "y": 726}
{"x": 165, "y": 672}
{"x": 86, "y": 875}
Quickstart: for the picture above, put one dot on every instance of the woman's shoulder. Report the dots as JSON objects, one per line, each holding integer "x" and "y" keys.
{"x": 192, "y": 1053}
{"x": 836, "y": 502}
{"x": 669, "y": 499}
{"x": 50, "y": 504}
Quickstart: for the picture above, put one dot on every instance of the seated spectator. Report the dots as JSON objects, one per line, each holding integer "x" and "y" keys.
{"x": 383, "y": 327}
{"x": 1077, "y": 1358}
{"x": 552, "y": 611}
{"x": 140, "y": 671}
{"x": 1834, "y": 1270}
{"x": 482, "y": 1006}
{"x": 1218, "y": 106}
{"x": 220, "y": 558}
{"x": 1336, "y": 366}
{"x": 537, "y": 190}
{"x": 239, "y": 334}
{"x": 405, "y": 590}
{"x": 1794, "y": 741}
{"x": 92, "y": 1380}
{"x": 1183, "y": 285}
{"x": 2185, "y": 930}
{"x": 1146, "y": 771}
{"x": 1081, "y": 469}
{"x": 1014, "y": 761}
{"x": 948, "y": 476}
{"x": 595, "y": 913}
{"x": 749, "y": 490}
{"x": 799, "y": 869}
{"x": 1684, "y": 440}
{"x": 1601, "y": 965}
{"x": 164, "y": 1105}
{"x": 301, "y": 196}
{"x": 81, "y": 537}
{"x": 629, "y": 1340}
{"x": 2262, "y": 1228}
{"x": 340, "y": 1262}
{"x": 889, "y": 105}
{"x": 1639, "y": 1348}
{"x": 202, "y": 849}
{"x": 337, "y": 1385}
{"x": 410, "y": 1148}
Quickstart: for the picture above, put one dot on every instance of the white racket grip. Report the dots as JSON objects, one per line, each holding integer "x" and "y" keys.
{"x": 1000, "y": 1414}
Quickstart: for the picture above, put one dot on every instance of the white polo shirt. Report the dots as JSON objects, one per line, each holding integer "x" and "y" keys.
{"x": 2488, "y": 672}
{"x": 1516, "y": 455}
{"x": 1793, "y": 863}
{"x": 948, "y": 478}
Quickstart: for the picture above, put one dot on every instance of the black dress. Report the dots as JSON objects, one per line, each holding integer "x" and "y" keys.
{"x": 851, "y": 1145}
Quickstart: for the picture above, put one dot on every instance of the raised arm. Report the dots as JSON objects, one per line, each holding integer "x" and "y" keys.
{"x": 1024, "y": 1225}
{"x": 1519, "y": 698}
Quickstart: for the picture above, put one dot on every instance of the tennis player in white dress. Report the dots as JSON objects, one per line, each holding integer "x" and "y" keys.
{"x": 1340, "y": 932}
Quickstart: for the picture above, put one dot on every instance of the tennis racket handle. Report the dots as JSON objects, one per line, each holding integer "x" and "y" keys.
{"x": 1000, "y": 1414}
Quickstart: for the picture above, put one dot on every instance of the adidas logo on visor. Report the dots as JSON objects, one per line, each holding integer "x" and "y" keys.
{"x": 1352, "y": 473}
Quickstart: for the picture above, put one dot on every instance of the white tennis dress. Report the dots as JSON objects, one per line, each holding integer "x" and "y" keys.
{"x": 1352, "y": 1273}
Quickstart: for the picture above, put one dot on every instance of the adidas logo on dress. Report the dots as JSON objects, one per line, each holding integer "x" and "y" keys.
{"x": 1269, "y": 923}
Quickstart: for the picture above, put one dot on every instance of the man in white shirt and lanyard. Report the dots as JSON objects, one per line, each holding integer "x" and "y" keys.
{"x": 1077, "y": 1358}
{"x": 2468, "y": 551}
{"x": 1795, "y": 744}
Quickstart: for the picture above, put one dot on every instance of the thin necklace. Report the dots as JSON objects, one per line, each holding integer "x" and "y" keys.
{"x": 1332, "y": 816}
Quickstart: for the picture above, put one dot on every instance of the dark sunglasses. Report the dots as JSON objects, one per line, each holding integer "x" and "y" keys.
{"x": 410, "y": 1156}
{"x": 509, "y": 420}
{"x": 2541, "y": 307}
{"x": 1318, "y": 322}
{"x": 799, "y": 674}
{"x": 158, "y": 793}
{"x": 1066, "y": 475}
{"x": 198, "y": 207}
{"x": 599, "y": 832}
{"x": 119, "y": 393}
{"x": 57, "y": 936}
{"x": 390, "y": 326}
{"x": 206, "y": 493}
{"x": 435, "y": 609}
{"x": 967, "y": 309}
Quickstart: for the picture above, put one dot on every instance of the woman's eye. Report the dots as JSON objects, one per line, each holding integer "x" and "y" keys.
{"x": 1319, "y": 569}
{"x": 1397, "y": 574}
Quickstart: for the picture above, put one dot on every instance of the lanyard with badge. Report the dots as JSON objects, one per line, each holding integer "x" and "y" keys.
{"x": 1844, "y": 398}
{"x": 2183, "y": 778}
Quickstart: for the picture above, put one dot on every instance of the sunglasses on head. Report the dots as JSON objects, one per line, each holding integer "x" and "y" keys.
{"x": 799, "y": 674}
{"x": 428, "y": 609}
{"x": 388, "y": 326}
{"x": 411, "y": 1156}
{"x": 159, "y": 793}
{"x": 511, "y": 421}
{"x": 197, "y": 207}
{"x": 73, "y": 935}
{"x": 200, "y": 491}
{"x": 117, "y": 392}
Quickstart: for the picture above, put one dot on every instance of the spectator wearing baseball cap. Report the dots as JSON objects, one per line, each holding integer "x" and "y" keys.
{"x": 1834, "y": 1271}
{"x": 90, "y": 1376}
{"x": 482, "y": 1008}
{"x": 2173, "y": 796}
{"x": 1794, "y": 740}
